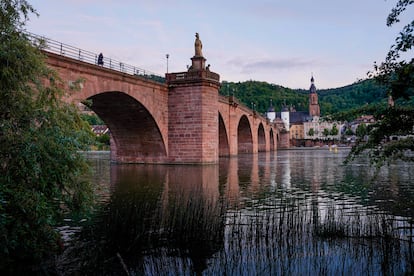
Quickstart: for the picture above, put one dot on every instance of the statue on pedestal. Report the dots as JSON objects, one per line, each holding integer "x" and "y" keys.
{"x": 198, "y": 46}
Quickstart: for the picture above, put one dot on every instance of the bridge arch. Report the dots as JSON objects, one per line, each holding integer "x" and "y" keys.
{"x": 244, "y": 136}
{"x": 272, "y": 140}
{"x": 261, "y": 138}
{"x": 224, "y": 147}
{"x": 134, "y": 131}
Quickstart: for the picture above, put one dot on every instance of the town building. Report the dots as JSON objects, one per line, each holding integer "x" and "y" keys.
{"x": 305, "y": 128}
{"x": 271, "y": 113}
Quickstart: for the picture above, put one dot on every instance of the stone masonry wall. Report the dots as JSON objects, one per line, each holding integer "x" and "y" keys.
{"x": 193, "y": 123}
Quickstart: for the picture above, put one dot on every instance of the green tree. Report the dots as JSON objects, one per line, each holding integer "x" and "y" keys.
{"x": 334, "y": 131}
{"x": 397, "y": 74}
{"x": 103, "y": 141}
{"x": 40, "y": 135}
{"x": 311, "y": 132}
{"x": 349, "y": 132}
{"x": 326, "y": 132}
{"x": 92, "y": 119}
{"x": 361, "y": 130}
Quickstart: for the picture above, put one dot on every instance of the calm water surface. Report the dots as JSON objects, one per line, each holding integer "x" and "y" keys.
{"x": 297, "y": 212}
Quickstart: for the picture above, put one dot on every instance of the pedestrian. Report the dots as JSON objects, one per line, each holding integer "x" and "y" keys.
{"x": 100, "y": 60}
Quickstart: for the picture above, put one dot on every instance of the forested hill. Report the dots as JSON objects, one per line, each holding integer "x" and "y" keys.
{"x": 258, "y": 95}
{"x": 351, "y": 96}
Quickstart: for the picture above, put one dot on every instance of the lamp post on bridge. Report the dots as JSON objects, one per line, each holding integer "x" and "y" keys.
{"x": 167, "y": 56}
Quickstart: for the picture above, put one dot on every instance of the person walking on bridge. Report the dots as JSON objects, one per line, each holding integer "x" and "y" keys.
{"x": 100, "y": 60}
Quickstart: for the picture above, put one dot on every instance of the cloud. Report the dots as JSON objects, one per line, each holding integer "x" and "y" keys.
{"x": 273, "y": 64}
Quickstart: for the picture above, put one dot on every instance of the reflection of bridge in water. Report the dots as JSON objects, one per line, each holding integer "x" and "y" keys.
{"x": 255, "y": 214}
{"x": 179, "y": 119}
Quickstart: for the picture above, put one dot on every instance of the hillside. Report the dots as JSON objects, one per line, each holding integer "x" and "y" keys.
{"x": 331, "y": 100}
{"x": 260, "y": 94}
{"x": 351, "y": 96}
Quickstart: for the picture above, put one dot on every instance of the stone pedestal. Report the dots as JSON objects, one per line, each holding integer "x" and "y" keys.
{"x": 198, "y": 63}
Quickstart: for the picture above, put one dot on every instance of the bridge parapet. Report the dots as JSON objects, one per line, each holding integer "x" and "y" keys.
{"x": 53, "y": 46}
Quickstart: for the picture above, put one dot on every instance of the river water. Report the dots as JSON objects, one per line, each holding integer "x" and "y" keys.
{"x": 296, "y": 212}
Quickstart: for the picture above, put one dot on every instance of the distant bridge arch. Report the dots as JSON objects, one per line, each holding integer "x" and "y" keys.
{"x": 261, "y": 138}
{"x": 246, "y": 130}
{"x": 272, "y": 140}
{"x": 244, "y": 136}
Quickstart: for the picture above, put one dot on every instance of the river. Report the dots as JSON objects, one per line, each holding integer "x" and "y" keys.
{"x": 295, "y": 212}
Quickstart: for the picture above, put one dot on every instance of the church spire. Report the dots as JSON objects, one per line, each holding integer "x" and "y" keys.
{"x": 314, "y": 109}
{"x": 312, "y": 88}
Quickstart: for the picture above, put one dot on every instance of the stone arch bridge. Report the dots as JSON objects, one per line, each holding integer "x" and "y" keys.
{"x": 183, "y": 120}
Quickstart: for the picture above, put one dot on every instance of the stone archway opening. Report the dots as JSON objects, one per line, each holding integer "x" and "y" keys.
{"x": 272, "y": 140}
{"x": 135, "y": 135}
{"x": 244, "y": 136}
{"x": 261, "y": 138}
{"x": 224, "y": 148}
{"x": 278, "y": 140}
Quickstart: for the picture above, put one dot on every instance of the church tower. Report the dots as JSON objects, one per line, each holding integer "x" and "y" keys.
{"x": 314, "y": 109}
{"x": 285, "y": 117}
{"x": 271, "y": 114}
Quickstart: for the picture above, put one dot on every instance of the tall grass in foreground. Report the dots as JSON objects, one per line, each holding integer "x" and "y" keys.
{"x": 313, "y": 236}
{"x": 149, "y": 232}
{"x": 185, "y": 226}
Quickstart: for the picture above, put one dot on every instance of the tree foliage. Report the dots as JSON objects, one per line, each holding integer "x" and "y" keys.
{"x": 334, "y": 130}
{"x": 389, "y": 139}
{"x": 396, "y": 73}
{"x": 40, "y": 136}
{"x": 361, "y": 130}
{"x": 260, "y": 94}
{"x": 92, "y": 119}
{"x": 356, "y": 95}
{"x": 392, "y": 136}
{"x": 311, "y": 132}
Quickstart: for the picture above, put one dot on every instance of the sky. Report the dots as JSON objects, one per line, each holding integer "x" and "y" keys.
{"x": 282, "y": 42}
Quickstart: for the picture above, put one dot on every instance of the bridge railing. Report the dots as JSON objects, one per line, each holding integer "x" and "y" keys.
{"x": 69, "y": 51}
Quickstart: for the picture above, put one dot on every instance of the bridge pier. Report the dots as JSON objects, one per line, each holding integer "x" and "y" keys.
{"x": 193, "y": 127}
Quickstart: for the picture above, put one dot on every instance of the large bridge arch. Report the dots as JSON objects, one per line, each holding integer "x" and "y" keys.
{"x": 134, "y": 131}
{"x": 144, "y": 100}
